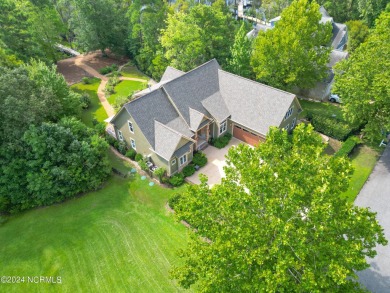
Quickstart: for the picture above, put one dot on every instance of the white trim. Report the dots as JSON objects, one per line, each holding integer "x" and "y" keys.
{"x": 120, "y": 135}
{"x": 131, "y": 126}
{"x": 133, "y": 145}
{"x": 173, "y": 162}
{"x": 222, "y": 127}
{"x": 289, "y": 112}
{"x": 185, "y": 161}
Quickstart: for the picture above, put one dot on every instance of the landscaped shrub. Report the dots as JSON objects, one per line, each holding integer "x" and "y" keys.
{"x": 199, "y": 159}
{"x": 160, "y": 172}
{"x": 109, "y": 90}
{"x": 177, "y": 179}
{"x": 122, "y": 147}
{"x": 332, "y": 127}
{"x": 138, "y": 157}
{"x": 85, "y": 101}
{"x": 142, "y": 164}
{"x": 111, "y": 140}
{"x": 85, "y": 80}
{"x": 348, "y": 146}
{"x": 100, "y": 128}
{"x": 188, "y": 170}
{"x": 108, "y": 69}
{"x": 131, "y": 153}
{"x": 174, "y": 200}
{"x": 221, "y": 141}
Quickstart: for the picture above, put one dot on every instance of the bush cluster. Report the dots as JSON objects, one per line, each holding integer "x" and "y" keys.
{"x": 332, "y": 127}
{"x": 221, "y": 141}
{"x": 85, "y": 101}
{"x": 108, "y": 69}
{"x": 138, "y": 157}
{"x": 199, "y": 159}
{"x": 174, "y": 200}
{"x": 177, "y": 179}
{"x": 131, "y": 153}
{"x": 348, "y": 146}
{"x": 188, "y": 170}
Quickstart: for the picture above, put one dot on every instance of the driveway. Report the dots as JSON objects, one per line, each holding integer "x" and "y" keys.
{"x": 376, "y": 195}
{"x": 215, "y": 162}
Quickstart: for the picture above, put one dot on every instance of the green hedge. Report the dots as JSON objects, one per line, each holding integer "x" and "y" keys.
{"x": 131, "y": 153}
{"x": 221, "y": 141}
{"x": 348, "y": 146}
{"x": 331, "y": 126}
{"x": 188, "y": 170}
{"x": 199, "y": 159}
{"x": 177, "y": 179}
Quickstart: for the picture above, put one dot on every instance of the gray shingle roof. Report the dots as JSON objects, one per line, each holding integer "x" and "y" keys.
{"x": 171, "y": 73}
{"x": 190, "y": 89}
{"x": 253, "y": 104}
{"x": 195, "y": 119}
{"x": 216, "y": 106}
{"x": 184, "y": 149}
{"x": 150, "y": 107}
{"x": 336, "y": 56}
{"x": 166, "y": 140}
{"x": 180, "y": 126}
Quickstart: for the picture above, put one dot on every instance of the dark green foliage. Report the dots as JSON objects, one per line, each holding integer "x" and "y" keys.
{"x": 199, "y": 159}
{"x": 221, "y": 141}
{"x": 108, "y": 69}
{"x": 122, "y": 147}
{"x": 160, "y": 172}
{"x": 142, "y": 164}
{"x": 131, "y": 153}
{"x": 86, "y": 80}
{"x": 332, "y": 127}
{"x": 85, "y": 101}
{"x": 174, "y": 200}
{"x": 100, "y": 128}
{"x": 138, "y": 157}
{"x": 188, "y": 170}
{"x": 348, "y": 146}
{"x": 177, "y": 179}
{"x": 111, "y": 140}
{"x": 358, "y": 32}
{"x": 56, "y": 161}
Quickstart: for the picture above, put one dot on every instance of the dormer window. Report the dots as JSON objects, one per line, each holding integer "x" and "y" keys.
{"x": 289, "y": 112}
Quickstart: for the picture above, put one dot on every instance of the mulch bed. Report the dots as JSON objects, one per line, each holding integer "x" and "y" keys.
{"x": 72, "y": 73}
{"x": 97, "y": 61}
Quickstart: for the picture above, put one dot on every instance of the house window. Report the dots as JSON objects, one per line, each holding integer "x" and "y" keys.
{"x": 183, "y": 159}
{"x": 293, "y": 122}
{"x": 222, "y": 127}
{"x": 287, "y": 127}
{"x": 132, "y": 141}
{"x": 288, "y": 114}
{"x": 120, "y": 135}
{"x": 173, "y": 162}
{"x": 131, "y": 127}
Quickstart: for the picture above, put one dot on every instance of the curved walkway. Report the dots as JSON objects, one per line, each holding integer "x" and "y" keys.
{"x": 79, "y": 62}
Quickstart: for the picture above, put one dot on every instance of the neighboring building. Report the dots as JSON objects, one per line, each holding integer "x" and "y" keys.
{"x": 339, "y": 30}
{"x": 179, "y": 115}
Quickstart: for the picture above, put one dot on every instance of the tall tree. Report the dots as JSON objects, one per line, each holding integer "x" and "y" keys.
{"x": 363, "y": 81}
{"x": 241, "y": 51}
{"x": 274, "y": 8}
{"x": 293, "y": 54}
{"x": 341, "y": 11}
{"x": 101, "y": 24}
{"x": 357, "y": 34}
{"x": 193, "y": 37}
{"x": 277, "y": 222}
{"x": 370, "y": 10}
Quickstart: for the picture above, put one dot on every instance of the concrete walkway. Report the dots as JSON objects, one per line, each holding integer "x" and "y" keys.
{"x": 375, "y": 194}
{"x": 215, "y": 162}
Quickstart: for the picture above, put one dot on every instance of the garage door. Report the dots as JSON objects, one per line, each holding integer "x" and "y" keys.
{"x": 246, "y": 136}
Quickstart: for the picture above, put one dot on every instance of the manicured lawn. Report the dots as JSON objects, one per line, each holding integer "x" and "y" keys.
{"x": 125, "y": 88}
{"x": 117, "y": 239}
{"x": 323, "y": 109}
{"x": 363, "y": 160}
{"x": 132, "y": 71}
{"x": 96, "y": 110}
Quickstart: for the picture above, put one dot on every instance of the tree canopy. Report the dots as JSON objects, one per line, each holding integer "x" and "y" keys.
{"x": 194, "y": 37}
{"x": 294, "y": 53}
{"x": 363, "y": 81}
{"x": 277, "y": 222}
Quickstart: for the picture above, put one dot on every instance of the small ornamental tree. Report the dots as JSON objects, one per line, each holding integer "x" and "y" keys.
{"x": 277, "y": 222}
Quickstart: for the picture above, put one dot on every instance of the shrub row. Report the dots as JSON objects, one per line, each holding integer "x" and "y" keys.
{"x": 199, "y": 159}
{"x": 332, "y": 127}
{"x": 348, "y": 146}
{"x": 108, "y": 69}
{"x": 221, "y": 141}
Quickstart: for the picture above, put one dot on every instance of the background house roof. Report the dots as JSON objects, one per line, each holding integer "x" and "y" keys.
{"x": 171, "y": 73}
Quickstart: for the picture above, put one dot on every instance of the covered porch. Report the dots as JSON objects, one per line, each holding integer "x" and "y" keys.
{"x": 203, "y": 135}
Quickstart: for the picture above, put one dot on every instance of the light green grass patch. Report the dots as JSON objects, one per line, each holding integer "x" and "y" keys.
{"x": 321, "y": 108}
{"x": 132, "y": 71}
{"x": 125, "y": 88}
{"x": 363, "y": 160}
{"x": 96, "y": 110}
{"x": 117, "y": 239}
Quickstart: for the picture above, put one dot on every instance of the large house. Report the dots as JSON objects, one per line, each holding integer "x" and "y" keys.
{"x": 179, "y": 115}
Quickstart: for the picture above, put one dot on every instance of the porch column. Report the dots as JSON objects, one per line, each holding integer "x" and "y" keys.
{"x": 207, "y": 132}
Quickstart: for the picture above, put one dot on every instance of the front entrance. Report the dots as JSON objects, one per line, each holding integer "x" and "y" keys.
{"x": 246, "y": 136}
{"x": 202, "y": 137}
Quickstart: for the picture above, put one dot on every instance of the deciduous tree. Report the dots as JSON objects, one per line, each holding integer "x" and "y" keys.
{"x": 357, "y": 34}
{"x": 363, "y": 81}
{"x": 293, "y": 54}
{"x": 277, "y": 222}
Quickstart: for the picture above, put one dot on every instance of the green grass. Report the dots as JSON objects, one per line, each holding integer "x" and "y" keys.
{"x": 132, "y": 71}
{"x": 96, "y": 110}
{"x": 125, "y": 88}
{"x": 363, "y": 160}
{"x": 117, "y": 239}
{"x": 323, "y": 109}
